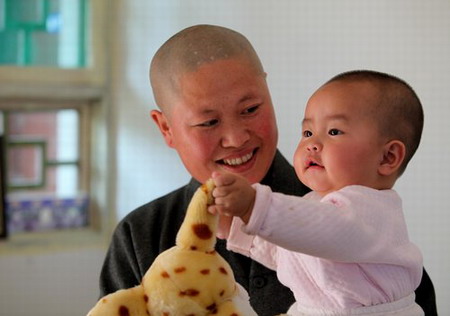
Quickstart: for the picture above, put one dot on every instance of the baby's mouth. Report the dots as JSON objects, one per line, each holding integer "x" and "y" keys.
{"x": 312, "y": 163}
{"x": 237, "y": 161}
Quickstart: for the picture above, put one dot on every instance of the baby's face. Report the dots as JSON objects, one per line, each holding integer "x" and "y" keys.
{"x": 341, "y": 143}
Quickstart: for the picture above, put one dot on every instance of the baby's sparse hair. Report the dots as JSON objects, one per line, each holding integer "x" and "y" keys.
{"x": 398, "y": 108}
{"x": 192, "y": 47}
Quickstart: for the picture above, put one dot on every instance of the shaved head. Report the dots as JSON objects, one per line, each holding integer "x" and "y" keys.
{"x": 192, "y": 47}
{"x": 397, "y": 107}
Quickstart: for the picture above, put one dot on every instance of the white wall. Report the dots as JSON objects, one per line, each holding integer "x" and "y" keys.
{"x": 302, "y": 44}
{"x": 50, "y": 284}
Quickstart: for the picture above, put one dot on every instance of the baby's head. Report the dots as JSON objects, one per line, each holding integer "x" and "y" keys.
{"x": 360, "y": 127}
{"x": 397, "y": 108}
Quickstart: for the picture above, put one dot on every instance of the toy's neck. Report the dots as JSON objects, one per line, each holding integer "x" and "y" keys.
{"x": 198, "y": 230}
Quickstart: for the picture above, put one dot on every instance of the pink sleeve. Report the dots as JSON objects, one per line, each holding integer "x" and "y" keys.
{"x": 251, "y": 246}
{"x": 355, "y": 224}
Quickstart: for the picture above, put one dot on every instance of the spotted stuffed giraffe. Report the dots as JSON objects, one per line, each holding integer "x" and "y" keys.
{"x": 188, "y": 279}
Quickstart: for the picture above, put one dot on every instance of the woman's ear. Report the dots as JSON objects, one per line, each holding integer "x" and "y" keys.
{"x": 163, "y": 124}
{"x": 393, "y": 156}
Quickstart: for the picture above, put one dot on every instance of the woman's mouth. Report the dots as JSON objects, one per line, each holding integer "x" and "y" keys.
{"x": 237, "y": 161}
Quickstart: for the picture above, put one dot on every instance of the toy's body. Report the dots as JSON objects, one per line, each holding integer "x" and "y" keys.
{"x": 190, "y": 278}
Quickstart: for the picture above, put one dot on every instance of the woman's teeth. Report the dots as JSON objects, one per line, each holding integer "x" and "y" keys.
{"x": 238, "y": 161}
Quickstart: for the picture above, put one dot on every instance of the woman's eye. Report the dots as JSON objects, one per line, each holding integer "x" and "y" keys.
{"x": 334, "y": 132}
{"x": 251, "y": 109}
{"x": 208, "y": 123}
{"x": 307, "y": 133}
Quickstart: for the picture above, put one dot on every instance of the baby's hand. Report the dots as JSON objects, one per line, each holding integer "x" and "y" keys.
{"x": 233, "y": 196}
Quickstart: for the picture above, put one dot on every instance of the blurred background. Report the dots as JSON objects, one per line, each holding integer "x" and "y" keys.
{"x": 79, "y": 150}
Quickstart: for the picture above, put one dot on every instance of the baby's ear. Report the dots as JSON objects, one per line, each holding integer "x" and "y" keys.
{"x": 393, "y": 156}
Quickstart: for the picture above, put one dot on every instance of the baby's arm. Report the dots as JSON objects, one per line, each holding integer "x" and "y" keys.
{"x": 233, "y": 196}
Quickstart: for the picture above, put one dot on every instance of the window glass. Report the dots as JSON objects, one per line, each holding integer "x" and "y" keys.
{"x": 43, "y": 33}
{"x": 43, "y": 170}
{"x": 52, "y": 80}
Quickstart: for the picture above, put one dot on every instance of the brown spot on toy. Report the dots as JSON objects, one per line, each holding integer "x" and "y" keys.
{"x": 234, "y": 314}
{"x": 212, "y": 308}
{"x": 204, "y": 271}
{"x": 165, "y": 275}
{"x": 123, "y": 311}
{"x": 213, "y": 252}
{"x": 223, "y": 271}
{"x": 193, "y": 247}
{"x": 189, "y": 292}
{"x": 222, "y": 293}
{"x": 166, "y": 314}
{"x": 179, "y": 269}
{"x": 104, "y": 300}
{"x": 202, "y": 231}
{"x": 146, "y": 298}
{"x": 192, "y": 292}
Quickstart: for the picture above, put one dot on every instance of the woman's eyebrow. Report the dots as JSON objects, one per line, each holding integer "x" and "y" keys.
{"x": 246, "y": 98}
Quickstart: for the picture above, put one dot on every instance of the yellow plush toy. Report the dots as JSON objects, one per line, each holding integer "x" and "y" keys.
{"x": 190, "y": 278}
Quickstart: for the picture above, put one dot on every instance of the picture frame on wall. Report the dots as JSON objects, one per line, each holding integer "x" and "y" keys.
{"x": 3, "y": 226}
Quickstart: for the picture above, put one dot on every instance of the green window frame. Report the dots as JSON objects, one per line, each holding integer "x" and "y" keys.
{"x": 27, "y": 26}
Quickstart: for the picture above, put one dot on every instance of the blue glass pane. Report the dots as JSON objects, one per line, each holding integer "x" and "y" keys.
{"x": 44, "y": 52}
{"x": 25, "y": 11}
{"x": 9, "y": 47}
{"x": 39, "y": 213}
{"x": 43, "y": 33}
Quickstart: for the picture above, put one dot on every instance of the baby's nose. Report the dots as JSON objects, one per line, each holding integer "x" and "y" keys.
{"x": 314, "y": 146}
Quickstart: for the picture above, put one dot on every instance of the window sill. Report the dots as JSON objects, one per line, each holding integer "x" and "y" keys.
{"x": 57, "y": 91}
{"x": 29, "y": 243}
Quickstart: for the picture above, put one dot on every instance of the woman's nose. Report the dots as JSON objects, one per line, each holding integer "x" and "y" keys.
{"x": 235, "y": 135}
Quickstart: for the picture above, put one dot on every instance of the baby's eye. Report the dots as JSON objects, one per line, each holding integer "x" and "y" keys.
{"x": 307, "y": 133}
{"x": 208, "y": 123}
{"x": 334, "y": 132}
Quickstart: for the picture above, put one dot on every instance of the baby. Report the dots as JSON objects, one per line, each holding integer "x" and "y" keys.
{"x": 343, "y": 249}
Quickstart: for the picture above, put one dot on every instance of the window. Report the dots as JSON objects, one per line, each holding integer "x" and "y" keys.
{"x": 52, "y": 85}
{"x": 44, "y": 170}
{"x": 2, "y": 193}
{"x": 43, "y": 32}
